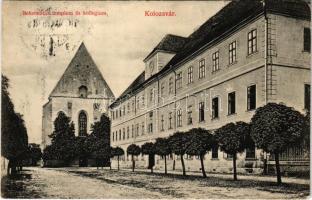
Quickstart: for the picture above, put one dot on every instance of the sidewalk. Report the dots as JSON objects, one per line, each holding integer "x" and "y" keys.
{"x": 264, "y": 178}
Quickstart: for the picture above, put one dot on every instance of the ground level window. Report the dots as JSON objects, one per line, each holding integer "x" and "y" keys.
{"x": 214, "y": 152}
{"x": 251, "y": 151}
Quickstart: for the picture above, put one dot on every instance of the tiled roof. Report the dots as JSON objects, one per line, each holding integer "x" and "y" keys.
{"x": 137, "y": 82}
{"x": 225, "y": 20}
{"x": 234, "y": 13}
{"x": 170, "y": 43}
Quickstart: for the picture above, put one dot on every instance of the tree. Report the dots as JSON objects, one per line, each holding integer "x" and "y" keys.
{"x": 274, "y": 127}
{"x": 148, "y": 148}
{"x": 101, "y": 129}
{"x": 63, "y": 144}
{"x": 201, "y": 142}
{"x": 101, "y": 137}
{"x": 162, "y": 148}
{"x": 14, "y": 138}
{"x": 179, "y": 143}
{"x": 117, "y": 151}
{"x": 133, "y": 150}
{"x": 232, "y": 139}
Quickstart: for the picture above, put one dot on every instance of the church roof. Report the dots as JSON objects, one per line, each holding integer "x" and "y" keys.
{"x": 82, "y": 70}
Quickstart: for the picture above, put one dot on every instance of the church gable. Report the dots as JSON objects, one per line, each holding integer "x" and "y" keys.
{"x": 82, "y": 78}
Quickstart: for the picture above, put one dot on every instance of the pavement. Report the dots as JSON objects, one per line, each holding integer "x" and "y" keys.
{"x": 91, "y": 183}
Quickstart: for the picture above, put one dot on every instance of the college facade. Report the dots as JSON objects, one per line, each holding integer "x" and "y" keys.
{"x": 248, "y": 54}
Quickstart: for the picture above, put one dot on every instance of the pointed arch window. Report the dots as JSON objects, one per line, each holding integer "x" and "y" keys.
{"x": 82, "y": 121}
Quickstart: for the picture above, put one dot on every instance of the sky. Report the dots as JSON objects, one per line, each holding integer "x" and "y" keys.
{"x": 118, "y": 41}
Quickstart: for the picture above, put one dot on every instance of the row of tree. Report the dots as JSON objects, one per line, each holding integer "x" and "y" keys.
{"x": 14, "y": 138}
{"x": 67, "y": 147}
{"x": 273, "y": 128}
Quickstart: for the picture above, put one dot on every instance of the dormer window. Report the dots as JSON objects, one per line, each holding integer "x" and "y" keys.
{"x": 83, "y": 91}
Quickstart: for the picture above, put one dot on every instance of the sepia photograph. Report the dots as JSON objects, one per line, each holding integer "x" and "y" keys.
{"x": 155, "y": 99}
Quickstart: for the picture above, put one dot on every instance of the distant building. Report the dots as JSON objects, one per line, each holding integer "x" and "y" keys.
{"x": 245, "y": 56}
{"x": 81, "y": 93}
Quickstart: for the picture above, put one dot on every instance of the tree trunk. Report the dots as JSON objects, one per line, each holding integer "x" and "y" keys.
{"x": 151, "y": 166}
{"x": 118, "y": 163}
{"x": 234, "y": 166}
{"x": 133, "y": 163}
{"x": 165, "y": 164}
{"x": 278, "y": 170}
{"x": 202, "y": 165}
{"x": 9, "y": 167}
{"x": 13, "y": 167}
{"x": 173, "y": 165}
{"x": 183, "y": 166}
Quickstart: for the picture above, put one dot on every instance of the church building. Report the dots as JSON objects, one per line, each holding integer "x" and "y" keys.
{"x": 82, "y": 94}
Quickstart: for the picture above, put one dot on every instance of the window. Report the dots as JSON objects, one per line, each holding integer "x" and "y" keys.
{"x": 120, "y": 114}
{"x": 170, "y": 120}
{"x": 251, "y": 97}
{"x": 113, "y": 136}
{"x": 83, "y": 91}
{"x": 113, "y": 115}
{"x": 215, "y": 61}
{"x": 214, "y": 152}
{"x": 124, "y": 110}
{"x": 150, "y": 127}
{"x": 307, "y": 96}
{"x": 307, "y": 39}
{"x": 128, "y": 107}
{"x": 162, "y": 123}
{"x": 232, "y": 52}
{"x": 189, "y": 116}
{"x": 179, "y": 80}
{"x": 162, "y": 89}
{"x": 116, "y": 113}
{"x": 132, "y": 131}
{"x": 251, "y": 151}
{"x": 231, "y": 103}
{"x": 201, "y": 111}
{"x": 123, "y": 134}
{"x": 171, "y": 85}
{"x": 116, "y": 137}
{"x": 138, "y": 103}
{"x": 143, "y": 100}
{"x": 202, "y": 69}
{"x": 119, "y": 134}
{"x": 143, "y": 128}
{"x": 82, "y": 120}
{"x": 69, "y": 105}
{"x": 190, "y": 75}
{"x": 252, "y": 41}
{"x": 179, "y": 120}
{"x": 137, "y": 130}
{"x": 151, "y": 95}
{"x": 215, "y": 107}
{"x": 128, "y": 132}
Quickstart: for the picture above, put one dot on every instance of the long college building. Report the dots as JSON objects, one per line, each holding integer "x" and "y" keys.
{"x": 248, "y": 54}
